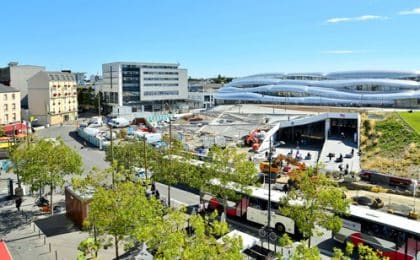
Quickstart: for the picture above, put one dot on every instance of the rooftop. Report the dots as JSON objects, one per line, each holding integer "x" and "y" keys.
{"x": 7, "y": 89}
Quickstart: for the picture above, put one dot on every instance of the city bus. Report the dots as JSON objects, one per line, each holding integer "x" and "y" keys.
{"x": 397, "y": 237}
{"x": 253, "y": 207}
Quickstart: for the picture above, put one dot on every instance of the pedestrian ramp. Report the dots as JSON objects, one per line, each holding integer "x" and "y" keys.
{"x": 339, "y": 147}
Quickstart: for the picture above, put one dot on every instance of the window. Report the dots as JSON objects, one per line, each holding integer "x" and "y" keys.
{"x": 5, "y": 97}
{"x": 6, "y": 118}
{"x": 13, "y": 96}
{"x": 5, "y": 107}
{"x": 161, "y": 93}
{"x": 161, "y": 84}
{"x": 13, "y": 106}
{"x": 14, "y": 117}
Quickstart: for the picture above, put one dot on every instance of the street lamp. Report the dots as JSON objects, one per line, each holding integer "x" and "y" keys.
{"x": 170, "y": 149}
{"x": 270, "y": 157}
{"x": 145, "y": 155}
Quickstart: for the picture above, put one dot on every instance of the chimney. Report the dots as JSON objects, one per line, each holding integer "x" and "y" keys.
{"x": 13, "y": 63}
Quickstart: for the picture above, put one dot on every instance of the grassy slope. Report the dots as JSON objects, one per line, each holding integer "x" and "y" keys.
{"x": 413, "y": 119}
{"x": 390, "y": 146}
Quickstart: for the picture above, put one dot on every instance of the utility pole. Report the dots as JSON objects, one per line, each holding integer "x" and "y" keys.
{"x": 170, "y": 150}
{"x": 99, "y": 103}
{"x": 112, "y": 155}
{"x": 270, "y": 155}
{"x": 145, "y": 156}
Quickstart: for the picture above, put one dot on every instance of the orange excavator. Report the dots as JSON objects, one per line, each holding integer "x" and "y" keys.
{"x": 252, "y": 138}
{"x": 275, "y": 165}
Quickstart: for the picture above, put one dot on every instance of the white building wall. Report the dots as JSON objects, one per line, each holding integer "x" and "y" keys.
{"x": 117, "y": 81}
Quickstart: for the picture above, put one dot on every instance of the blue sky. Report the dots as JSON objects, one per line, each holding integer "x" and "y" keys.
{"x": 233, "y": 38}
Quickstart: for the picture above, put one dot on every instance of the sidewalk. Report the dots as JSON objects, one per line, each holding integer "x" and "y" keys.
{"x": 29, "y": 234}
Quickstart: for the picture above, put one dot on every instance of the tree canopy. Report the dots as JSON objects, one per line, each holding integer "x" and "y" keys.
{"x": 46, "y": 162}
{"x": 319, "y": 202}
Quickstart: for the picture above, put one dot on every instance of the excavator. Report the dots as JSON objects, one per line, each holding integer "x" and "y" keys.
{"x": 254, "y": 137}
{"x": 275, "y": 165}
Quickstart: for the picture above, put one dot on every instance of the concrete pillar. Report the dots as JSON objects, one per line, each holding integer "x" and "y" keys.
{"x": 327, "y": 127}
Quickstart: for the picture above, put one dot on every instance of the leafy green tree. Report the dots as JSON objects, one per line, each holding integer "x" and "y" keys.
{"x": 303, "y": 251}
{"x": 170, "y": 166}
{"x": 131, "y": 154}
{"x": 363, "y": 251}
{"x": 124, "y": 212}
{"x": 230, "y": 169}
{"x": 285, "y": 241}
{"x": 89, "y": 249}
{"x": 46, "y": 162}
{"x": 312, "y": 202}
{"x": 171, "y": 240}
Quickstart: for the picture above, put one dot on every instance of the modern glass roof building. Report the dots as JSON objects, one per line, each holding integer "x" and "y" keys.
{"x": 349, "y": 88}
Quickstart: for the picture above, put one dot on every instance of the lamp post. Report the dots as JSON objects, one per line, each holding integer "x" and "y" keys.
{"x": 170, "y": 149}
{"x": 145, "y": 156}
{"x": 270, "y": 155}
{"x": 112, "y": 154}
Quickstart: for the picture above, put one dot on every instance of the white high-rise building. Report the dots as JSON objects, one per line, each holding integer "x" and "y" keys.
{"x": 146, "y": 86}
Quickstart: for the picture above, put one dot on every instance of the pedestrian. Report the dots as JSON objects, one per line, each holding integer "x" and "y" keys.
{"x": 157, "y": 194}
{"x": 18, "y": 203}
{"x": 340, "y": 167}
{"x": 153, "y": 187}
{"x": 352, "y": 151}
{"x": 342, "y": 135}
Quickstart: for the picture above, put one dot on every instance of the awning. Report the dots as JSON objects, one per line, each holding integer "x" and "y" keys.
{"x": 4, "y": 252}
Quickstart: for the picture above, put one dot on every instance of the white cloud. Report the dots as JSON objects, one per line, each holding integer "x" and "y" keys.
{"x": 412, "y": 11}
{"x": 357, "y": 18}
{"x": 342, "y": 51}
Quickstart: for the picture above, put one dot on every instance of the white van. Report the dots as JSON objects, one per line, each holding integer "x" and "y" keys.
{"x": 118, "y": 122}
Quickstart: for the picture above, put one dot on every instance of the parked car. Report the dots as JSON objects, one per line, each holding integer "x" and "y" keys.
{"x": 119, "y": 122}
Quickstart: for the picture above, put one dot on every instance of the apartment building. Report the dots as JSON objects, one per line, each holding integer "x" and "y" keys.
{"x": 16, "y": 76}
{"x": 9, "y": 105}
{"x": 144, "y": 86}
{"x": 53, "y": 97}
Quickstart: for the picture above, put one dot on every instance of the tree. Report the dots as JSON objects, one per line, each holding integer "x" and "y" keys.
{"x": 285, "y": 241}
{"x": 170, "y": 165}
{"x": 131, "y": 154}
{"x": 231, "y": 169}
{"x": 364, "y": 252}
{"x": 170, "y": 240}
{"x": 124, "y": 212}
{"x": 303, "y": 251}
{"x": 46, "y": 162}
{"x": 88, "y": 248}
{"x": 316, "y": 200}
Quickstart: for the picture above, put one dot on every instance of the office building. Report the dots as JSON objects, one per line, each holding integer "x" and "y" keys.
{"x": 16, "y": 76}
{"x": 352, "y": 88}
{"x": 9, "y": 105}
{"x": 143, "y": 86}
{"x": 53, "y": 97}
{"x": 200, "y": 93}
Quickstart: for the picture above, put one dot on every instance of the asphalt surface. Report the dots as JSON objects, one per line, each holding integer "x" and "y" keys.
{"x": 93, "y": 157}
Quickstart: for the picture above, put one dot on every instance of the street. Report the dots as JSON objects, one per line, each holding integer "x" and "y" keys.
{"x": 94, "y": 157}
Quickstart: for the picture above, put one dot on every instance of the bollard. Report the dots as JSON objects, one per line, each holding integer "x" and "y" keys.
{"x": 56, "y": 257}
{"x": 49, "y": 245}
{"x": 45, "y": 240}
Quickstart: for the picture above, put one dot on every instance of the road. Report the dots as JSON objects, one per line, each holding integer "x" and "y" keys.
{"x": 92, "y": 157}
